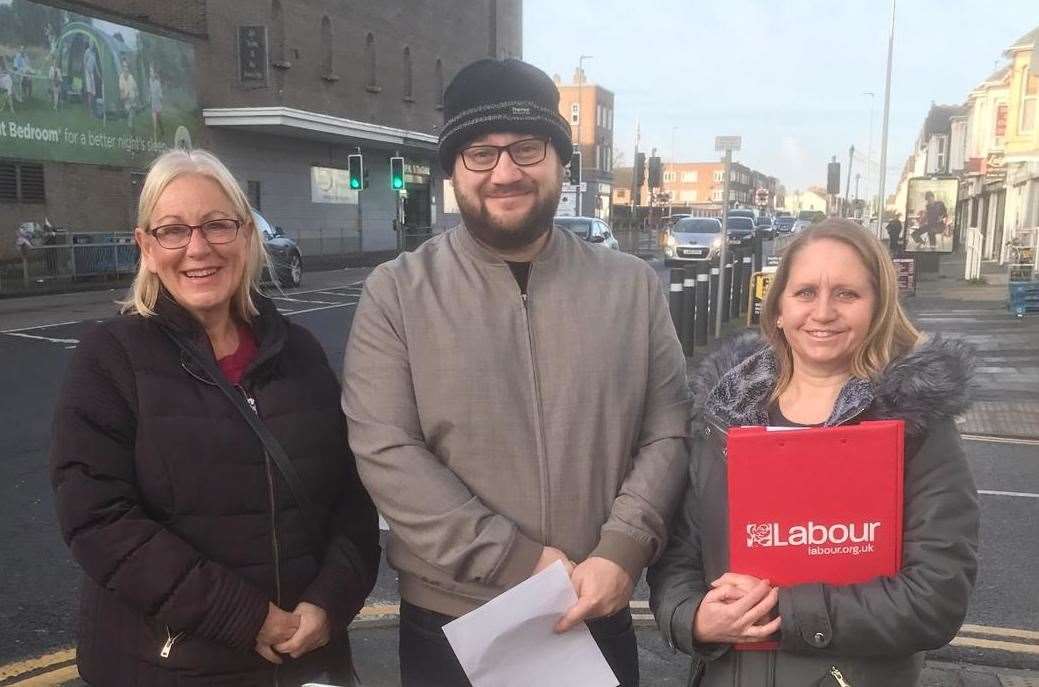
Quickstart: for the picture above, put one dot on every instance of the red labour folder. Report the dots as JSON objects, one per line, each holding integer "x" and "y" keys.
{"x": 815, "y": 505}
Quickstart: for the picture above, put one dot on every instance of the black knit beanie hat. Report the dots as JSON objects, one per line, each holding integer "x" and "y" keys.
{"x": 501, "y": 95}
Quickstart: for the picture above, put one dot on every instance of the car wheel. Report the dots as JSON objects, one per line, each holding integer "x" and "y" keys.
{"x": 295, "y": 271}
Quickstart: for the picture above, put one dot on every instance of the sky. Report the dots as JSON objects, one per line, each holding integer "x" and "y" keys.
{"x": 789, "y": 76}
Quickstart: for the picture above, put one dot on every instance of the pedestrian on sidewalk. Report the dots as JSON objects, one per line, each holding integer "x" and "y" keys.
{"x": 515, "y": 395}
{"x": 894, "y": 235}
{"x": 837, "y": 349}
{"x": 199, "y": 464}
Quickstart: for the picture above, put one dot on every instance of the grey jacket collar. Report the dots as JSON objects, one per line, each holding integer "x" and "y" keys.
{"x": 931, "y": 383}
{"x": 461, "y": 237}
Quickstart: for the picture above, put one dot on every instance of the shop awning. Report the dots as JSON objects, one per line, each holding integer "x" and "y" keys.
{"x": 287, "y": 121}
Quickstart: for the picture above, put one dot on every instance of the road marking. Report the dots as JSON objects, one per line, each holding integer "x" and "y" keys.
{"x": 30, "y": 664}
{"x": 989, "y": 492}
{"x": 322, "y": 307}
{"x": 49, "y": 679}
{"x": 1000, "y": 440}
{"x": 40, "y": 326}
{"x": 996, "y": 644}
{"x": 1001, "y": 631}
{"x": 43, "y": 338}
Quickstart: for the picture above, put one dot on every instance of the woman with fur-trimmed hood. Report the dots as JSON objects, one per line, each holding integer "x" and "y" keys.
{"x": 837, "y": 349}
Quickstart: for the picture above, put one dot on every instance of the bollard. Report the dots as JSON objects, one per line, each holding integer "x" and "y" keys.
{"x": 748, "y": 272}
{"x": 702, "y": 322}
{"x": 727, "y": 292}
{"x": 688, "y": 309}
{"x": 675, "y": 299}
{"x": 712, "y": 305}
{"x": 737, "y": 284}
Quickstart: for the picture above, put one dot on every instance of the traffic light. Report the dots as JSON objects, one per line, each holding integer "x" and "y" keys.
{"x": 575, "y": 168}
{"x": 396, "y": 173}
{"x": 833, "y": 178}
{"x": 640, "y": 170}
{"x": 355, "y": 163}
{"x": 656, "y": 176}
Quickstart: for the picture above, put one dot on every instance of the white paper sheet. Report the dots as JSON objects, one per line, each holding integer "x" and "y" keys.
{"x": 509, "y": 641}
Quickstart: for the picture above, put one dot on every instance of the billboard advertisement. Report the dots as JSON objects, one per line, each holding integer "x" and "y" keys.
{"x": 75, "y": 88}
{"x": 930, "y": 215}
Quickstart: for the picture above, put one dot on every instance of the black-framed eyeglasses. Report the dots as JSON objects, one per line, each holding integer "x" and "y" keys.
{"x": 524, "y": 153}
{"x": 215, "y": 232}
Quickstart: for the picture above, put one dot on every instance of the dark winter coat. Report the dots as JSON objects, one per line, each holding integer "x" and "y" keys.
{"x": 182, "y": 524}
{"x": 874, "y": 633}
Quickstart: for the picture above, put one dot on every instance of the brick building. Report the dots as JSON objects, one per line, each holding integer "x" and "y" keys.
{"x": 589, "y": 108}
{"x": 283, "y": 88}
{"x": 695, "y": 186}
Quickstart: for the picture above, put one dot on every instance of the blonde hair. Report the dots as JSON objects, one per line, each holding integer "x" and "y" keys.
{"x": 169, "y": 166}
{"x": 890, "y": 334}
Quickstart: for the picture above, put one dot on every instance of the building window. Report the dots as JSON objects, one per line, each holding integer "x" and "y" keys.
{"x": 1029, "y": 97}
{"x": 719, "y": 175}
{"x": 609, "y": 118}
{"x": 369, "y": 51}
{"x": 716, "y": 195}
{"x": 252, "y": 192}
{"x": 575, "y": 113}
{"x": 327, "y": 66}
{"x": 407, "y": 73}
{"x": 438, "y": 82}
{"x": 690, "y": 177}
{"x": 669, "y": 177}
{"x": 1001, "y": 122}
{"x": 622, "y": 194}
{"x": 609, "y": 159}
{"x": 21, "y": 182}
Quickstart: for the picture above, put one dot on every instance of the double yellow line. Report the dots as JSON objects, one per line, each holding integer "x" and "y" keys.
{"x": 59, "y": 667}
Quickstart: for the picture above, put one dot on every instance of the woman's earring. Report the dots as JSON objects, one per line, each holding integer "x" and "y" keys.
{"x": 779, "y": 323}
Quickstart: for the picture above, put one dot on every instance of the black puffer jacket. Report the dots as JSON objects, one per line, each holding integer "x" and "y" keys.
{"x": 183, "y": 526}
{"x": 872, "y": 633}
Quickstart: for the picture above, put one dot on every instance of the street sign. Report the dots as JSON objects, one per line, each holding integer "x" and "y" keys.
{"x": 761, "y": 196}
{"x": 905, "y": 269}
{"x": 567, "y": 202}
{"x": 723, "y": 143}
{"x": 760, "y": 281}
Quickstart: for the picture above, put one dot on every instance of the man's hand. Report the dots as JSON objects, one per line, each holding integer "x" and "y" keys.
{"x": 313, "y": 632}
{"x": 278, "y": 627}
{"x": 731, "y": 614}
{"x": 602, "y": 587}
{"x": 550, "y": 555}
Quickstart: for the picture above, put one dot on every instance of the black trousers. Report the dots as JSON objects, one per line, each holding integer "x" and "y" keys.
{"x": 426, "y": 658}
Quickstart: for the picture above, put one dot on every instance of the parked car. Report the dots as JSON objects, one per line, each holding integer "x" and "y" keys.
{"x": 693, "y": 238}
{"x": 812, "y": 215}
{"x": 743, "y": 212}
{"x": 800, "y": 225}
{"x": 286, "y": 256}
{"x": 764, "y": 227}
{"x": 783, "y": 225}
{"x": 591, "y": 229}
{"x": 740, "y": 229}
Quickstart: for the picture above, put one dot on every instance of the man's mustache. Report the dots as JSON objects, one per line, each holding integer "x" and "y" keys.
{"x": 511, "y": 189}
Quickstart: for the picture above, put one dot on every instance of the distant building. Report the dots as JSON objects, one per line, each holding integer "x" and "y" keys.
{"x": 589, "y": 108}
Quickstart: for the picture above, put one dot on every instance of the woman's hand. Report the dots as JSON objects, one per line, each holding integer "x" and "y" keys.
{"x": 314, "y": 631}
{"x": 732, "y": 613}
{"x": 277, "y": 628}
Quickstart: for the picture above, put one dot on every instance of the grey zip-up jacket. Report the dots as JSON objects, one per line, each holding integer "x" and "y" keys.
{"x": 487, "y": 425}
{"x": 858, "y": 635}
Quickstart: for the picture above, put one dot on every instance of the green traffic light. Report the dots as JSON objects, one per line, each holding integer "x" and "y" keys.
{"x": 355, "y": 183}
{"x": 398, "y": 183}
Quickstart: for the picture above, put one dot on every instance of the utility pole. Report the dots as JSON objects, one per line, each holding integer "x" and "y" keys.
{"x": 869, "y": 163}
{"x": 727, "y": 144}
{"x": 847, "y": 184}
{"x": 580, "y": 120}
{"x": 887, "y": 112}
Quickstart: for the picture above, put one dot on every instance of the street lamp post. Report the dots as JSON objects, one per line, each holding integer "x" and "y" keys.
{"x": 580, "y": 121}
{"x": 887, "y": 112}
{"x": 869, "y": 160}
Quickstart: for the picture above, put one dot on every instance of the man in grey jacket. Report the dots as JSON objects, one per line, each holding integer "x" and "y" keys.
{"x": 515, "y": 396}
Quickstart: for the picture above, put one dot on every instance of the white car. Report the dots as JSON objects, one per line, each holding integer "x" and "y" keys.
{"x": 591, "y": 229}
{"x": 693, "y": 239}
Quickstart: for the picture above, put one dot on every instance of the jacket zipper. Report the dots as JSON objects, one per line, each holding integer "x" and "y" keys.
{"x": 272, "y": 502}
{"x": 542, "y": 458}
{"x": 167, "y": 646}
{"x": 838, "y": 677}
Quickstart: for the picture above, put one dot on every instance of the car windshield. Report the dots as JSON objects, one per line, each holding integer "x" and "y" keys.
{"x": 698, "y": 225}
{"x": 580, "y": 227}
{"x": 784, "y": 220}
{"x": 261, "y": 223}
{"x": 740, "y": 224}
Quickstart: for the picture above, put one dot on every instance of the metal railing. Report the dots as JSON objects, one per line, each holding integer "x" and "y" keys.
{"x": 42, "y": 265}
{"x": 326, "y": 240}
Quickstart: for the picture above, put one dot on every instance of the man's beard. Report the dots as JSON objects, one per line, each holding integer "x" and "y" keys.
{"x": 516, "y": 233}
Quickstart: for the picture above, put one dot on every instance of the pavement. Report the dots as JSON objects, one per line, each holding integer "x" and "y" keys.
{"x": 1006, "y": 412}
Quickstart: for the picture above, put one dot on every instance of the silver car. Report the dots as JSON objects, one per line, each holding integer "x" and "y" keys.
{"x": 591, "y": 229}
{"x": 693, "y": 238}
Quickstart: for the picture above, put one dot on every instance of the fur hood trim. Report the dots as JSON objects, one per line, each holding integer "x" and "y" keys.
{"x": 933, "y": 382}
